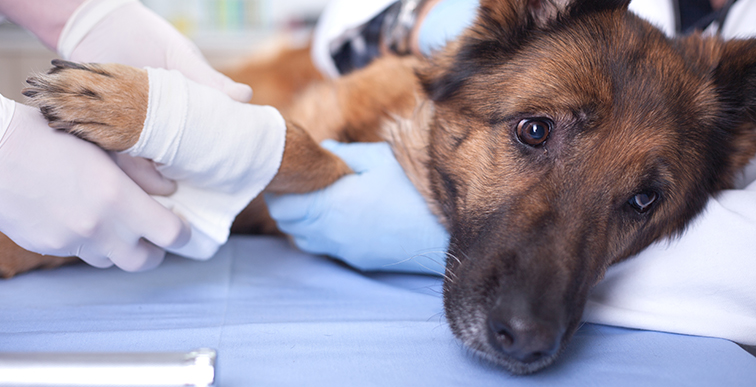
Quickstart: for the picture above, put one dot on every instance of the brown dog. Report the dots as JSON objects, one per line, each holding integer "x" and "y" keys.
{"x": 554, "y": 138}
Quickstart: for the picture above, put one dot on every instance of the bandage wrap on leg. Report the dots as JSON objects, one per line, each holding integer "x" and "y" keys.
{"x": 222, "y": 154}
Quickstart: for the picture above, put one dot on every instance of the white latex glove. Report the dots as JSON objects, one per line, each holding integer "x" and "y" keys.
{"x": 63, "y": 196}
{"x": 145, "y": 174}
{"x": 127, "y": 32}
{"x": 221, "y": 153}
{"x": 373, "y": 219}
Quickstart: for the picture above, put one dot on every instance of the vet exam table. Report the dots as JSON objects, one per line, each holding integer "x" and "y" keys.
{"x": 279, "y": 317}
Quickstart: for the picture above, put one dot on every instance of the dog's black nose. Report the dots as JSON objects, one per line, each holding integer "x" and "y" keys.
{"x": 524, "y": 337}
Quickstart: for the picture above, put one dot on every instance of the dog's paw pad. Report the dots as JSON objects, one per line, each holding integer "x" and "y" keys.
{"x": 105, "y": 104}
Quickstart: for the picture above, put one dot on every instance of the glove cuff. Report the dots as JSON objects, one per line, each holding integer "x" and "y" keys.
{"x": 83, "y": 20}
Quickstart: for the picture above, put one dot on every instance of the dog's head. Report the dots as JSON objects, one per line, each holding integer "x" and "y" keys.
{"x": 569, "y": 135}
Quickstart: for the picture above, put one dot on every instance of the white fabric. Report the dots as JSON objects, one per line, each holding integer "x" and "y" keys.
{"x": 63, "y": 196}
{"x": 340, "y": 16}
{"x": 741, "y": 22}
{"x": 7, "y": 107}
{"x": 702, "y": 284}
{"x": 660, "y": 13}
{"x": 86, "y": 17}
{"x": 221, "y": 153}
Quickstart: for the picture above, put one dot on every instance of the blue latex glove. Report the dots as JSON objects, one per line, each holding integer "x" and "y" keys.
{"x": 374, "y": 219}
{"x": 445, "y": 22}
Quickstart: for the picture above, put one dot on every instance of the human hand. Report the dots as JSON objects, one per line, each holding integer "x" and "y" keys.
{"x": 440, "y": 22}
{"x": 62, "y": 196}
{"x": 127, "y": 32}
{"x": 374, "y": 219}
{"x": 145, "y": 174}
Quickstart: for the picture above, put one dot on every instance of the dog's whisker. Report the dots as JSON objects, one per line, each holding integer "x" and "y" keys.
{"x": 449, "y": 275}
{"x": 416, "y": 261}
{"x": 450, "y": 255}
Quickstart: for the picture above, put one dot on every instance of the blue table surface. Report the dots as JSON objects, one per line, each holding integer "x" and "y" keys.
{"x": 280, "y": 317}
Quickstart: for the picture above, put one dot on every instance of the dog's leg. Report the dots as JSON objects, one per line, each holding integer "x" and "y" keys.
{"x": 107, "y": 105}
{"x": 305, "y": 166}
{"x": 15, "y": 260}
{"x": 277, "y": 77}
{"x": 352, "y": 108}
{"x": 104, "y": 104}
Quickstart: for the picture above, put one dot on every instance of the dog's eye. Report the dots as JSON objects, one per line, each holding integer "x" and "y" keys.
{"x": 533, "y": 132}
{"x": 643, "y": 201}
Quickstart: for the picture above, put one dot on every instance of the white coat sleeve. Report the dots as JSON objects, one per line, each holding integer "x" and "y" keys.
{"x": 703, "y": 283}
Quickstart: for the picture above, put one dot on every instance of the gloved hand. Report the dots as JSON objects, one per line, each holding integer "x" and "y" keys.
{"x": 124, "y": 31}
{"x": 127, "y": 32}
{"x": 63, "y": 196}
{"x": 145, "y": 174}
{"x": 444, "y": 22}
{"x": 374, "y": 219}
{"x": 120, "y": 31}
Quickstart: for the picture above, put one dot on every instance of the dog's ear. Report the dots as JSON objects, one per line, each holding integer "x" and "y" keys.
{"x": 735, "y": 76}
{"x": 580, "y": 7}
{"x": 735, "y": 79}
{"x": 518, "y": 14}
{"x": 501, "y": 28}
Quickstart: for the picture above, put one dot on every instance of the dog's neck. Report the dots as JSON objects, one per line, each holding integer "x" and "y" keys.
{"x": 409, "y": 138}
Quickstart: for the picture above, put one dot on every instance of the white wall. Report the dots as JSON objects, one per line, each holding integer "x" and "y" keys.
{"x": 282, "y": 9}
{"x": 20, "y": 55}
{"x": 223, "y": 41}
{"x": 202, "y": 16}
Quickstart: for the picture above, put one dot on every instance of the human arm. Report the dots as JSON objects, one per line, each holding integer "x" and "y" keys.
{"x": 117, "y": 31}
{"x": 44, "y": 18}
{"x": 62, "y": 196}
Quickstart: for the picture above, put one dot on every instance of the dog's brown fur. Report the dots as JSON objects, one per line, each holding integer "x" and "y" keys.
{"x": 638, "y": 132}
{"x": 15, "y": 260}
{"x": 277, "y": 75}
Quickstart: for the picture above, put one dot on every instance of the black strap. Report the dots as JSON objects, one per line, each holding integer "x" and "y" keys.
{"x": 697, "y": 15}
{"x": 362, "y": 45}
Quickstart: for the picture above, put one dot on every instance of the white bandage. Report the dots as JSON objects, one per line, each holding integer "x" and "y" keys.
{"x": 222, "y": 154}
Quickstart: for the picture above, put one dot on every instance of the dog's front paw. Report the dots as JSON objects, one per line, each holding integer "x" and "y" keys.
{"x": 102, "y": 103}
